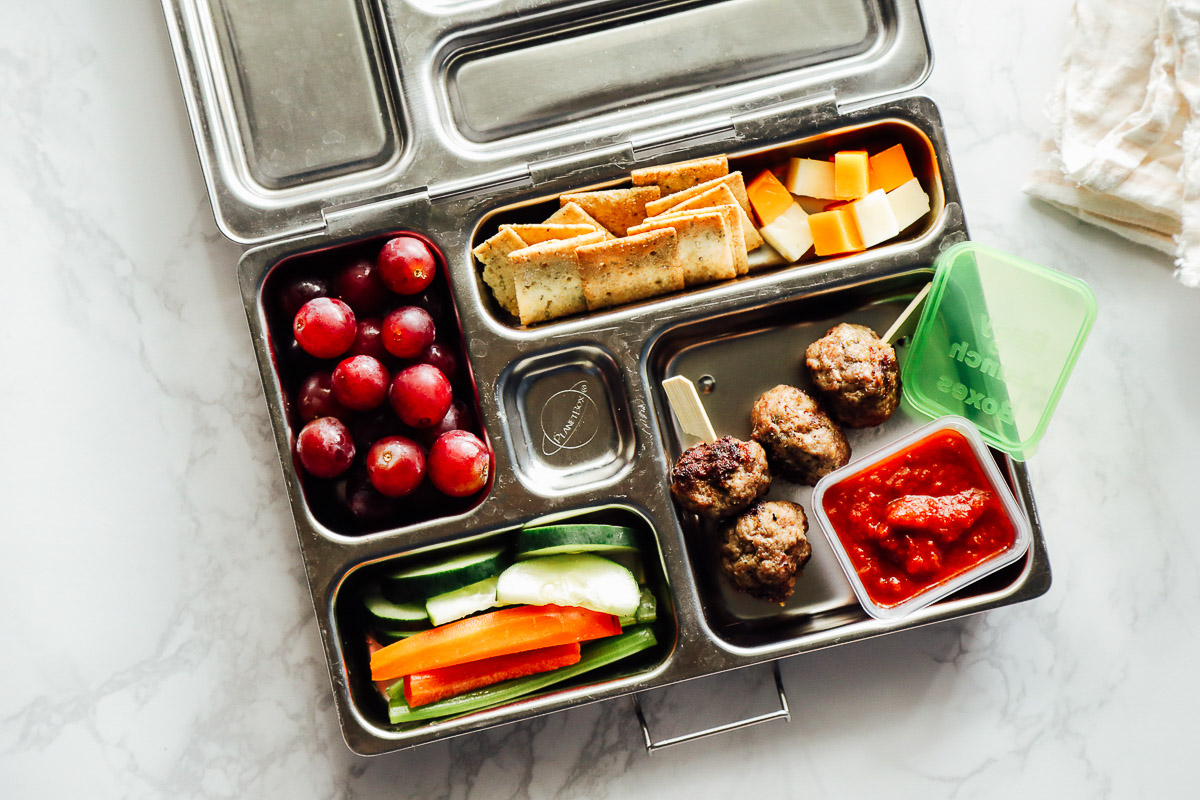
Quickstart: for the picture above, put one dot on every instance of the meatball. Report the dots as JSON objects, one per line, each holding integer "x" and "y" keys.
{"x": 857, "y": 375}
{"x": 801, "y": 441}
{"x": 722, "y": 478}
{"x": 764, "y": 550}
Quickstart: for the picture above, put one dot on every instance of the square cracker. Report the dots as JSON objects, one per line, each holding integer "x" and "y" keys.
{"x": 732, "y": 215}
{"x": 548, "y": 231}
{"x": 733, "y": 180}
{"x": 705, "y": 245}
{"x": 630, "y": 268}
{"x": 722, "y": 196}
{"x": 615, "y": 209}
{"x": 546, "y": 277}
{"x": 497, "y": 268}
{"x": 671, "y": 178}
{"x": 572, "y": 214}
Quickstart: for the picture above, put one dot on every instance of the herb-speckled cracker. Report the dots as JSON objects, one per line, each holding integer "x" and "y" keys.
{"x": 497, "y": 268}
{"x": 705, "y": 245}
{"x": 615, "y": 209}
{"x": 630, "y": 268}
{"x": 671, "y": 178}
{"x": 547, "y": 279}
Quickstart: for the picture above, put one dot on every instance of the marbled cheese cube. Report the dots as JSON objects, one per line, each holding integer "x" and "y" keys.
{"x": 876, "y": 221}
{"x": 808, "y": 177}
{"x": 789, "y": 233}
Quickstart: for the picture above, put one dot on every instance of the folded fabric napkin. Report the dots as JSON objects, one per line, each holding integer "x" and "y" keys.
{"x": 1124, "y": 147}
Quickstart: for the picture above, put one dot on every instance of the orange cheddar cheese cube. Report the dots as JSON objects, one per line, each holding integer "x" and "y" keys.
{"x": 768, "y": 197}
{"x": 850, "y": 175}
{"x": 835, "y": 232}
{"x": 889, "y": 169}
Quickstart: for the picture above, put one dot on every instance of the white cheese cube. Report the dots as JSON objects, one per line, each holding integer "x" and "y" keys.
{"x": 909, "y": 203}
{"x": 876, "y": 222}
{"x": 810, "y": 178}
{"x": 789, "y": 233}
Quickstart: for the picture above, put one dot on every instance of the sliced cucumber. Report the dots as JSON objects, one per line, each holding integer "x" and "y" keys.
{"x": 595, "y": 655}
{"x": 395, "y": 616}
{"x": 581, "y": 580}
{"x": 420, "y": 583}
{"x": 553, "y": 540}
{"x": 387, "y": 636}
{"x": 462, "y": 602}
{"x": 646, "y": 611}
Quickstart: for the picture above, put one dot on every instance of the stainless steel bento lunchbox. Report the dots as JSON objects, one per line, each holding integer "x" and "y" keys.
{"x": 324, "y": 125}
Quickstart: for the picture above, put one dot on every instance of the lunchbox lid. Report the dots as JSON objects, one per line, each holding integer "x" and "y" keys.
{"x": 996, "y": 343}
{"x": 310, "y": 108}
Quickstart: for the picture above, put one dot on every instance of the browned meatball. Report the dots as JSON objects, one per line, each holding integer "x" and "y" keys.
{"x": 857, "y": 375}
{"x": 722, "y": 478}
{"x": 802, "y": 442}
{"x": 764, "y": 550}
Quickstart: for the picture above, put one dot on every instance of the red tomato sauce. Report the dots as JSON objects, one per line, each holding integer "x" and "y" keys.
{"x": 919, "y": 518}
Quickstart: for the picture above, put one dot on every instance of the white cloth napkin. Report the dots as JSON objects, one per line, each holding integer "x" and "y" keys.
{"x": 1124, "y": 148}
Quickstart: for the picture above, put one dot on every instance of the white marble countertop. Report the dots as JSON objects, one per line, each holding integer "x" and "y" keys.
{"x": 158, "y": 635}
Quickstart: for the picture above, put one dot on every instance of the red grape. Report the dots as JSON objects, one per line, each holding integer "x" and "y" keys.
{"x": 406, "y": 265}
{"x": 369, "y": 427}
{"x": 459, "y": 464}
{"x": 458, "y": 418}
{"x": 325, "y": 327}
{"x": 407, "y": 331}
{"x": 421, "y": 395}
{"x": 369, "y": 340}
{"x": 359, "y": 285}
{"x": 325, "y": 448}
{"x": 431, "y": 300}
{"x": 315, "y": 398}
{"x": 362, "y": 500}
{"x": 360, "y": 383}
{"x": 396, "y": 466}
{"x": 439, "y": 355}
{"x": 299, "y": 291}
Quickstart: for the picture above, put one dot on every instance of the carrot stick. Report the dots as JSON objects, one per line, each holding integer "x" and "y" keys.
{"x": 438, "y": 684}
{"x": 509, "y": 630}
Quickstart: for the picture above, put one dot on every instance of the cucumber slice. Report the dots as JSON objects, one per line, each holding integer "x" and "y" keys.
{"x": 581, "y": 580}
{"x": 646, "y": 611}
{"x": 595, "y": 655}
{"x": 420, "y": 583}
{"x": 462, "y": 602}
{"x": 395, "y": 616}
{"x": 387, "y": 636}
{"x": 553, "y": 540}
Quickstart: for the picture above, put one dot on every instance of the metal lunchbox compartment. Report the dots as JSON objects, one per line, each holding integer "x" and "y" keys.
{"x": 446, "y": 119}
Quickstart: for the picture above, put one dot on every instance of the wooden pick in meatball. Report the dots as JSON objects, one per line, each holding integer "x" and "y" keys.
{"x": 722, "y": 478}
{"x": 763, "y": 551}
{"x": 857, "y": 375}
{"x": 802, "y": 442}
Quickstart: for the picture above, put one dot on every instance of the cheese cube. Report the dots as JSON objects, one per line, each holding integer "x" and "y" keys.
{"x": 808, "y": 177}
{"x": 876, "y": 222}
{"x": 850, "y": 180}
{"x": 889, "y": 169}
{"x": 909, "y": 203}
{"x": 768, "y": 197}
{"x": 834, "y": 232}
{"x": 789, "y": 233}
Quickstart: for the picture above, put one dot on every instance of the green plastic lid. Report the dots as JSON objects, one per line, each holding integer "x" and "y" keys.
{"x": 997, "y": 340}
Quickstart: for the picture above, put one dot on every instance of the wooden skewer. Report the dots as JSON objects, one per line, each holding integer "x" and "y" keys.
{"x": 905, "y": 314}
{"x": 685, "y": 402}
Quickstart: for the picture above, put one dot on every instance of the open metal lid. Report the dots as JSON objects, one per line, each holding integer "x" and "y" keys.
{"x": 304, "y": 107}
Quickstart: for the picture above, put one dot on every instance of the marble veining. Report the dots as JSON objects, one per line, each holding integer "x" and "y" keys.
{"x": 157, "y": 627}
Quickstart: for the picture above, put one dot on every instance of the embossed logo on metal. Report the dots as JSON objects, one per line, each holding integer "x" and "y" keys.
{"x": 569, "y": 420}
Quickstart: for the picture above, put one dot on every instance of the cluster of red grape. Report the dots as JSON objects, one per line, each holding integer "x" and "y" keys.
{"x": 389, "y": 393}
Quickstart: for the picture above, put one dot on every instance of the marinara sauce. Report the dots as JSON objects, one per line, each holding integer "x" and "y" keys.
{"x": 919, "y": 518}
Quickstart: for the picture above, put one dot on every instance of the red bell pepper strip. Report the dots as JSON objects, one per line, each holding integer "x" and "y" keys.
{"x": 509, "y": 630}
{"x": 437, "y": 684}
